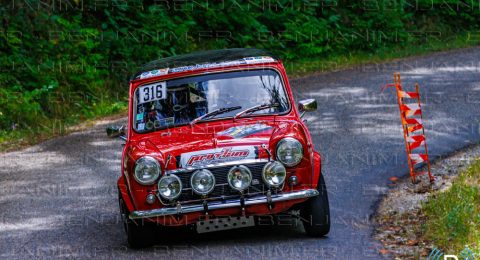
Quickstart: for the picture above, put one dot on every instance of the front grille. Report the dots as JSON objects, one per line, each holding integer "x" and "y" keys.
{"x": 222, "y": 189}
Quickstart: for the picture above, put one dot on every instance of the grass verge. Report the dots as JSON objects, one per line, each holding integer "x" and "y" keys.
{"x": 49, "y": 128}
{"x": 453, "y": 216}
{"x": 299, "y": 68}
{"x": 414, "y": 221}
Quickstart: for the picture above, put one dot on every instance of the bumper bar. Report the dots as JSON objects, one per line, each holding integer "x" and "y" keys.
{"x": 166, "y": 211}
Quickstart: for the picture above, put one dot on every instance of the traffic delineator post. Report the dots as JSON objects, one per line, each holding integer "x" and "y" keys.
{"x": 413, "y": 129}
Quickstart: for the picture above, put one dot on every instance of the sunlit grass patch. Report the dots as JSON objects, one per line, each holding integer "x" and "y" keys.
{"x": 453, "y": 216}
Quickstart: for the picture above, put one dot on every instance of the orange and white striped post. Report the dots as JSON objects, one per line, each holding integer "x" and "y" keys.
{"x": 413, "y": 129}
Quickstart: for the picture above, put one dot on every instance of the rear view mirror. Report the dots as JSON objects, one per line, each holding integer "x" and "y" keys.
{"x": 117, "y": 131}
{"x": 307, "y": 105}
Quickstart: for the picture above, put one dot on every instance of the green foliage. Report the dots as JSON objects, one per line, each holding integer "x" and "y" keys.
{"x": 70, "y": 60}
{"x": 453, "y": 217}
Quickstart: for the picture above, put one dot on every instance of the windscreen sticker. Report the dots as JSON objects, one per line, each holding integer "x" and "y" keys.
{"x": 159, "y": 123}
{"x": 249, "y": 60}
{"x": 153, "y": 73}
{"x": 164, "y": 122}
{"x": 208, "y": 66}
{"x": 141, "y": 127}
{"x": 217, "y": 155}
{"x": 140, "y": 117}
{"x": 149, "y": 125}
{"x": 262, "y": 59}
{"x": 243, "y": 131}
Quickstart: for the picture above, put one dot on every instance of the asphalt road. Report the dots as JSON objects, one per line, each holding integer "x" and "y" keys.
{"x": 58, "y": 199}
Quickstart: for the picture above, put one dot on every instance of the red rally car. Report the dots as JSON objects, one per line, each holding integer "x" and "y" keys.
{"x": 214, "y": 141}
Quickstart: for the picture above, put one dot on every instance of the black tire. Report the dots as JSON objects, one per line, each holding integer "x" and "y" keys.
{"x": 315, "y": 213}
{"x": 139, "y": 233}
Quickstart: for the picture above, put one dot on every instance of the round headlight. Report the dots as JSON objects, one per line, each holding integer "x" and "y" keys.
{"x": 147, "y": 170}
{"x": 202, "y": 182}
{"x": 170, "y": 187}
{"x": 274, "y": 174}
{"x": 289, "y": 151}
{"x": 239, "y": 177}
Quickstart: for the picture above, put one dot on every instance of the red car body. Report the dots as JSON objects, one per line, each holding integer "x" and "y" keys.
{"x": 208, "y": 135}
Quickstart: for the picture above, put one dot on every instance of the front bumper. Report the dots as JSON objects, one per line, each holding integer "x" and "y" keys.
{"x": 261, "y": 199}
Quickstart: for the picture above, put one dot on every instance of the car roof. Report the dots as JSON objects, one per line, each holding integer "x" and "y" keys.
{"x": 194, "y": 59}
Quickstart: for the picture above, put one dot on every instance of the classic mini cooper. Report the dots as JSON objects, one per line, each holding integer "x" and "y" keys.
{"x": 215, "y": 142}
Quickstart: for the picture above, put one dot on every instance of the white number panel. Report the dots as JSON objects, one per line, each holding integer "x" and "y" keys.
{"x": 152, "y": 92}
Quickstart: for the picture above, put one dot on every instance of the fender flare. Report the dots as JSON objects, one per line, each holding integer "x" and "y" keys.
{"x": 317, "y": 168}
{"x": 124, "y": 194}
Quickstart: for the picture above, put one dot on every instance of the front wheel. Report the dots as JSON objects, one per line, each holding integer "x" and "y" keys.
{"x": 139, "y": 233}
{"x": 315, "y": 213}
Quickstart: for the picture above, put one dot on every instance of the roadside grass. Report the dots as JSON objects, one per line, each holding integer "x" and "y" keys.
{"x": 453, "y": 216}
{"x": 49, "y": 128}
{"x": 299, "y": 68}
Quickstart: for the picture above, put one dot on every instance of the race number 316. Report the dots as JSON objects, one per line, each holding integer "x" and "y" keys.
{"x": 152, "y": 92}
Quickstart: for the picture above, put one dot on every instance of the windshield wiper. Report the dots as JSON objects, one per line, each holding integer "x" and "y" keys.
{"x": 214, "y": 113}
{"x": 255, "y": 109}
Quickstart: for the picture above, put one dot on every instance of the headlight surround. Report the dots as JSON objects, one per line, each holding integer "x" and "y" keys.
{"x": 274, "y": 174}
{"x": 239, "y": 177}
{"x": 202, "y": 182}
{"x": 147, "y": 170}
{"x": 170, "y": 187}
{"x": 289, "y": 151}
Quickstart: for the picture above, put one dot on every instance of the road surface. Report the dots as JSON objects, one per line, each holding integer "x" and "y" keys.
{"x": 59, "y": 199}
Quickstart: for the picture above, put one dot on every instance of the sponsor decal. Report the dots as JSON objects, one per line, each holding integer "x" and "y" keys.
{"x": 164, "y": 122}
{"x": 217, "y": 155}
{"x": 243, "y": 131}
{"x": 249, "y": 60}
{"x": 262, "y": 59}
{"x": 207, "y": 66}
{"x": 153, "y": 73}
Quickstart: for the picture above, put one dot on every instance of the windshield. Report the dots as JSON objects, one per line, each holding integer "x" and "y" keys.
{"x": 179, "y": 101}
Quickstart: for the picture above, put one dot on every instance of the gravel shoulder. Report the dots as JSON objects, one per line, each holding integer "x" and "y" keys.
{"x": 399, "y": 215}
